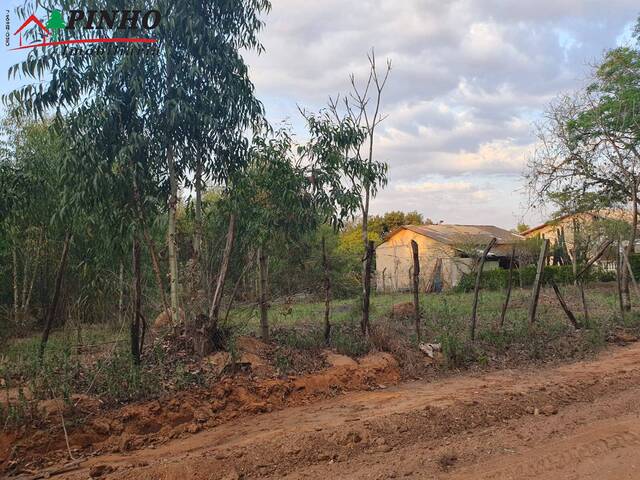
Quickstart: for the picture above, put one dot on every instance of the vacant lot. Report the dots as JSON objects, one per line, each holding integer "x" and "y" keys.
{"x": 87, "y": 399}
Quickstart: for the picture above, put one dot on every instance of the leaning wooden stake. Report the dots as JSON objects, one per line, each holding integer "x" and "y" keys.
{"x": 509, "y": 286}
{"x": 416, "y": 285}
{"x": 563, "y": 304}
{"x": 595, "y": 258}
{"x": 533, "y": 306}
{"x": 474, "y": 309}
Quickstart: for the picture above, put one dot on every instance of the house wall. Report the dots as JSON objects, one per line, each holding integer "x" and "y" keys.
{"x": 394, "y": 261}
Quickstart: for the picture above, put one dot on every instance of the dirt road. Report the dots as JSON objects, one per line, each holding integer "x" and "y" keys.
{"x": 578, "y": 421}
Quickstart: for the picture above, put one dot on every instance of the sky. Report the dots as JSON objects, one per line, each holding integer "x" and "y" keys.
{"x": 470, "y": 78}
{"x": 469, "y": 81}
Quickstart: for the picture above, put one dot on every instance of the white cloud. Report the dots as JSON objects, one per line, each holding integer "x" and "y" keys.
{"x": 468, "y": 78}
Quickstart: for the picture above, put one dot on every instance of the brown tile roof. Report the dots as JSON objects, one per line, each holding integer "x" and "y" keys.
{"x": 461, "y": 234}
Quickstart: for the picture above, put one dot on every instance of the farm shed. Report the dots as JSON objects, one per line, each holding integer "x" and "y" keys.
{"x": 446, "y": 252}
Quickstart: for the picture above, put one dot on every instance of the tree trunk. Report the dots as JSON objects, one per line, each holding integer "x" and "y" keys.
{"x": 27, "y": 301}
{"x": 533, "y": 306}
{"x": 327, "y": 294}
{"x": 476, "y": 291}
{"x": 222, "y": 274}
{"x": 120, "y": 293}
{"x": 630, "y": 248}
{"x": 619, "y": 267}
{"x": 366, "y": 291}
{"x": 137, "y": 303}
{"x": 14, "y": 256}
{"x": 150, "y": 243}
{"x": 262, "y": 295}
{"x": 585, "y": 308}
{"x": 53, "y": 306}
{"x": 155, "y": 265}
{"x": 509, "y": 286}
{"x": 416, "y": 287}
{"x": 197, "y": 235}
{"x": 241, "y": 280}
{"x": 171, "y": 236}
{"x": 574, "y": 266}
{"x": 25, "y": 281}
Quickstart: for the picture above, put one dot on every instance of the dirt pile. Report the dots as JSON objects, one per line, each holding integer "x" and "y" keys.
{"x": 567, "y": 422}
{"x": 157, "y": 422}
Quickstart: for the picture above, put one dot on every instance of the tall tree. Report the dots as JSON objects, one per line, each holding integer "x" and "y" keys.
{"x": 591, "y": 141}
{"x": 190, "y": 98}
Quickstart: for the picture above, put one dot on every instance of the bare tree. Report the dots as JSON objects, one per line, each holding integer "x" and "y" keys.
{"x": 585, "y": 150}
{"x": 363, "y": 107}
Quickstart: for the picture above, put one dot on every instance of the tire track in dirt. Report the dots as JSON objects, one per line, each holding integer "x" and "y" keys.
{"x": 472, "y": 426}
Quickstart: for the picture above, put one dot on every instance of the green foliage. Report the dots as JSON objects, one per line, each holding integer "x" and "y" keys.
{"x": 348, "y": 340}
{"x": 498, "y": 278}
{"x": 634, "y": 261}
{"x": 457, "y": 352}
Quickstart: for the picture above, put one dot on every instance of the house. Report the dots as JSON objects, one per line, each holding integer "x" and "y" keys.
{"x": 445, "y": 253}
{"x": 561, "y": 231}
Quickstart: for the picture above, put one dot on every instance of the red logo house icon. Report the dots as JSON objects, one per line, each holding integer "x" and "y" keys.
{"x": 33, "y": 19}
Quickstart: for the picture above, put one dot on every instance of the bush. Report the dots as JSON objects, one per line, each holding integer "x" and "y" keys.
{"x": 634, "y": 261}
{"x": 498, "y": 278}
{"x": 348, "y": 340}
{"x": 457, "y": 352}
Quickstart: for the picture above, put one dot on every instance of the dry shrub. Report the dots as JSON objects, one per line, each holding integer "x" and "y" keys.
{"x": 395, "y": 338}
{"x": 402, "y": 311}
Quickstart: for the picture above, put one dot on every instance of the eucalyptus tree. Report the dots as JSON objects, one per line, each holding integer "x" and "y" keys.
{"x": 31, "y": 157}
{"x": 206, "y": 98}
{"x": 153, "y": 112}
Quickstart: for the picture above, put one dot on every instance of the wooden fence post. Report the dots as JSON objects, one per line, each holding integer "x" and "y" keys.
{"x": 533, "y": 306}
{"x": 416, "y": 285}
{"x": 509, "y": 286}
{"x": 367, "y": 289}
{"x": 474, "y": 309}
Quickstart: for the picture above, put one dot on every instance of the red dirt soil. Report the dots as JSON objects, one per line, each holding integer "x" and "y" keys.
{"x": 569, "y": 422}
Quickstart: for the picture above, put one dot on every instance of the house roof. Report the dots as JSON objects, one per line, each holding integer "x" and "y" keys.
{"x": 451, "y": 234}
{"x": 29, "y": 20}
{"x": 611, "y": 213}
